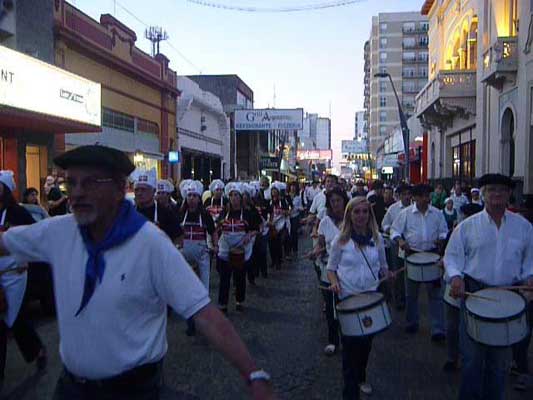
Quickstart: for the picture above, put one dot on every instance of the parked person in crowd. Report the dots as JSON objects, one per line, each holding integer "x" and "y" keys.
{"x": 13, "y": 286}
{"x": 475, "y": 204}
{"x": 57, "y": 201}
{"x": 313, "y": 190}
{"x": 375, "y": 197}
{"x": 329, "y": 228}
{"x": 279, "y": 223}
{"x": 359, "y": 189}
{"x": 296, "y": 214}
{"x": 438, "y": 197}
{"x": 422, "y": 227}
{"x": 248, "y": 194}
{"x": 261, "y": 241}
{"x": 388, "y": 196}
{"x": 216, "y": 204}
{"x": 163, "y": 195}
{"x": 459, "y": 200}
{"x": 491, "y": 248}
{"x": 305, "y": 202}
{"x": 139, "y": 272}
{"x": 356, "y": 262}
{"x": 235, "y": 247}
{"x": 450, "y": 214}
{"x": 30, "y": 201}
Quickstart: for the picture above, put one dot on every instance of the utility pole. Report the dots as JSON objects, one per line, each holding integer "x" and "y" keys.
{"x": 156, "y": 35}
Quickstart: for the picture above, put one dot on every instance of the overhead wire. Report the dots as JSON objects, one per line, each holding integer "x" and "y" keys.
{"x": 294, "y": 8}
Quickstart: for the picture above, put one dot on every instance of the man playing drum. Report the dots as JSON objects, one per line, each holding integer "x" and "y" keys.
{"x": 491, "y": 248}
{"x": 420, "y": 227}
{"x": 114, "y": 274}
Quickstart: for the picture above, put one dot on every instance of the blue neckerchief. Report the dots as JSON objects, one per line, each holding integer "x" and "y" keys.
{"x": 127, "y": 224}
{"x": 363, "y": 240}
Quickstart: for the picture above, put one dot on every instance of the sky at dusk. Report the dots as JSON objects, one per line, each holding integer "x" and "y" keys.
{"x": 313, "y": 59}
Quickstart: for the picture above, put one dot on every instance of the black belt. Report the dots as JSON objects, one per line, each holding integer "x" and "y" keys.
{"x": 133, "y": 377}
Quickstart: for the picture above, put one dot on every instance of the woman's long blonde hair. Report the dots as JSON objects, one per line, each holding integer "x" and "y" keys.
{"x": 347, "y": 228}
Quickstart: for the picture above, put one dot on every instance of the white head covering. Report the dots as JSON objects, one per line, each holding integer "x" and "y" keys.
{"x": 250, "y": 189}
{"x": 233, "y": 187}
{"x": 448, "y": 199}
{"x": 7, "y": 178}
{"x": 164, "y": 185}
{"x": 474, "y": 190}
{"x": 277, "y": 185}
{"x": 216, "y": 184}
{"x": 145, "y": 178}
{"x": 256, "y": 185}
{"x": 191, "y": 187}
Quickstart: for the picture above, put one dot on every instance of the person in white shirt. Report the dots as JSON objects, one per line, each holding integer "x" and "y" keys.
{"x": 356, "y": 263}
{"x": 328, "y": 229}
{"x": 114, "y": 274}
{"x": 459, "y": 200}
{"x": 297, "y": 209}
{"x": 422, "y": 227}
{"x": 312, "y": 191}
{"x": 491, "y": 248}
{"x": 395, "y": 263}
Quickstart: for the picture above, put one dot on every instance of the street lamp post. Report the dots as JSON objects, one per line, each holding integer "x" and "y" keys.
{"x": 403, "y": 122}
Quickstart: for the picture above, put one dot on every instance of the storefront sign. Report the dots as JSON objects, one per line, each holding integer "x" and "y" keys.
{"x": 314, "y": 154}
{"x": 353, "y": 146}
{"x": 269, "y": 119}
{"x": 266, "y": 162}
{"x": 29, "y": 84}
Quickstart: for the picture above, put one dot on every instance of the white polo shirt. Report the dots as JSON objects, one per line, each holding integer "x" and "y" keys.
{"x": 319, "y": 204}
{"x": 124, "y": 323}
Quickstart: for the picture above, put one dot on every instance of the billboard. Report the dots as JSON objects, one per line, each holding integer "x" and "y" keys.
{"x": 271, "y": 163}
{"x": 33, "y": 85}
{"x": 314, "y": 154}
{"x": 353, "y": 146}
{"x": 269, "y": 119}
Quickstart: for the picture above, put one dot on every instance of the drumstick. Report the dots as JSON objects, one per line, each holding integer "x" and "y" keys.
{"x": 388, "y": 277}
{"x": 16, "y": 269}
{"x": 477, "y": 296}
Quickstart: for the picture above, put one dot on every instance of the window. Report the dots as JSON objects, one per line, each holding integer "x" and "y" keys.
{"x": 382, "y": 130}
{"x": 423, "y": 72}
{"x": 383, "y": 56}
{"x": 147, "y": 126}
{"x": 383, "y": 70}
{"x": 409, "y": 56}
{"x": 117, "y": 120}
{"x": 383, "y": 27}
{"x": 382, "y": 116}
{"x": 409, "y": 27}
{"x": 409, "y": 42}
{"x": 464, "y": 161}
{"x": 424, "y": 40}
{"x": 383, "y": 101}
{"x": 423, "y": 56}
{"x": 408, "y": 72}
{"x": 424, "y": 26}
{"x": 382, "y": 43}
{"x": 382, "y": 86}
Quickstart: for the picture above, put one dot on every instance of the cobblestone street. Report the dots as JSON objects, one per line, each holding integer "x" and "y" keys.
{"x": 284, "y": 328}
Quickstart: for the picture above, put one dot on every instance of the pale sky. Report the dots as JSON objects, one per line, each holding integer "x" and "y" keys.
{"x": 314, "y": 59}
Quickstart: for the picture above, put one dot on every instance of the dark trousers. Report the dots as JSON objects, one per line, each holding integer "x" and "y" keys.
{"x": 27, "y": 339}
{"x": 293, "y": 242}
{"x": 520, "y": 350}
{"x": 333, "y": 324}
{"x": 355, "y": 353}
{"x": 276, "y": 252}
{"x": 260, "y": 255}
{"x": 142, "y": 389}
{"x": 226, "y": 271}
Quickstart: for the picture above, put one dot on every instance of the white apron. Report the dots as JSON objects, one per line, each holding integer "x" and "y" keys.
{"x": 280, "y": 220}
{"x": 195, "y": 248}
{"x": 233, "y": 232}
{"x": 14, "y": 284}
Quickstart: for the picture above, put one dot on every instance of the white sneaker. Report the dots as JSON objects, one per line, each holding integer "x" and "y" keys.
{"x": 329, "y": 349}
{"x": 366, "y": 388}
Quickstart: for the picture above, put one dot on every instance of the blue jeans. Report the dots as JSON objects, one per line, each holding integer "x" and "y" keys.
{"x": 436, "y": 311}
{"x": 484, "y": 369}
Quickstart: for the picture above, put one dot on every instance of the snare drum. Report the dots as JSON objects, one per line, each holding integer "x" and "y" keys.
{"x": 499, "y": 323}
{"x": 364, "y": 314}
{"x": 448, "y": 299}
{"x": 423, "y": 267}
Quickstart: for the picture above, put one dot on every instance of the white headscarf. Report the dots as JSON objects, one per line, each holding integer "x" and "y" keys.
{"x": 8, "y": 178}
{"x": 216, "y": 184}
{"x": 164, "y": 185}
{"x": 233, "y": 187}
{"x": 191, "y": 187}
{"x": 145, "y": 178}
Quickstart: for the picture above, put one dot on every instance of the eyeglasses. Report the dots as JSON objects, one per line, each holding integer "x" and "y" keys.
{"x": 87, "y": 184}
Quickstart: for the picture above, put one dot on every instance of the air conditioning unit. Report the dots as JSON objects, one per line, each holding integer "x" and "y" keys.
{"x": 7, "y": 19}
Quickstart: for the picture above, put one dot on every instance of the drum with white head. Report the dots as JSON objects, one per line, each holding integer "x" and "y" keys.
{"x": 499, "y": 322}
{"x": 423, "y": 267}
{"x": 363, "y": 314}
{"x": 448, "y": 299}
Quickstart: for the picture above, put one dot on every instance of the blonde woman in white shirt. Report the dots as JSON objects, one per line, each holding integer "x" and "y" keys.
{"x": 356, "y": 263}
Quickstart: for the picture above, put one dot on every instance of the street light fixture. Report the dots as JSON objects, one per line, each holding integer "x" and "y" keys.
{"x": 403, "y": 122}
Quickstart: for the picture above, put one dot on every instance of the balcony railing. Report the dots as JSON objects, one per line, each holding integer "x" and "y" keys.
{"x": 419, "y": 29}
{"x": 500, "y": 61}
{"x": 447, "y": 85}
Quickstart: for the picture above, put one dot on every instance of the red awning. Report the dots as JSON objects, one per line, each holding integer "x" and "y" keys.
{"x": 426, "y": 7}
{"x": 21, "y": 119}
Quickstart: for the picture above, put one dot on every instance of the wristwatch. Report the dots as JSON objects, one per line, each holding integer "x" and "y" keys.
{"x": 259, "y": 375}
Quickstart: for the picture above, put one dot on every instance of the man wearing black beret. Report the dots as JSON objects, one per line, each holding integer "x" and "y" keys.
{"x": 491, "y": 248}
{"x": 114, "y": 274}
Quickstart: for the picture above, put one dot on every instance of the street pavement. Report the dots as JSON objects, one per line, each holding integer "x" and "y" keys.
{"x": 285, "y": 329}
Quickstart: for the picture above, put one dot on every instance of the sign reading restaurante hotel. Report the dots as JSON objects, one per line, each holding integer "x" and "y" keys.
{"x": 32, "y": 85}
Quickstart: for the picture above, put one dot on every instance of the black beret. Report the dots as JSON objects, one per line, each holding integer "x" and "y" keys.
{"x": 403, "y": 187}
{"x": 96, "y": 156}
{"x": 420, "y": 189}
{"x": 377, "y": 185}
{"x": 496, "y": 179}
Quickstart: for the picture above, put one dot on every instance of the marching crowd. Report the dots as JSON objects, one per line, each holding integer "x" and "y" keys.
{"x": 114, "y": 273}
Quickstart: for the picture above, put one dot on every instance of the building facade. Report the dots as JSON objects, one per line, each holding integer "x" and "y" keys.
{"x": 234, "y": 94}
{"x": 398, "y": 46}
{"x": 361, "y": 132}
{"x": 204, "y": 132}
{"x": 139, "y": 92}
{"x": 477, "y": 106}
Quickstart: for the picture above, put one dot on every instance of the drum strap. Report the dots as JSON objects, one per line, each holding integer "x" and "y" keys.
{"x": 367, "y": 263}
